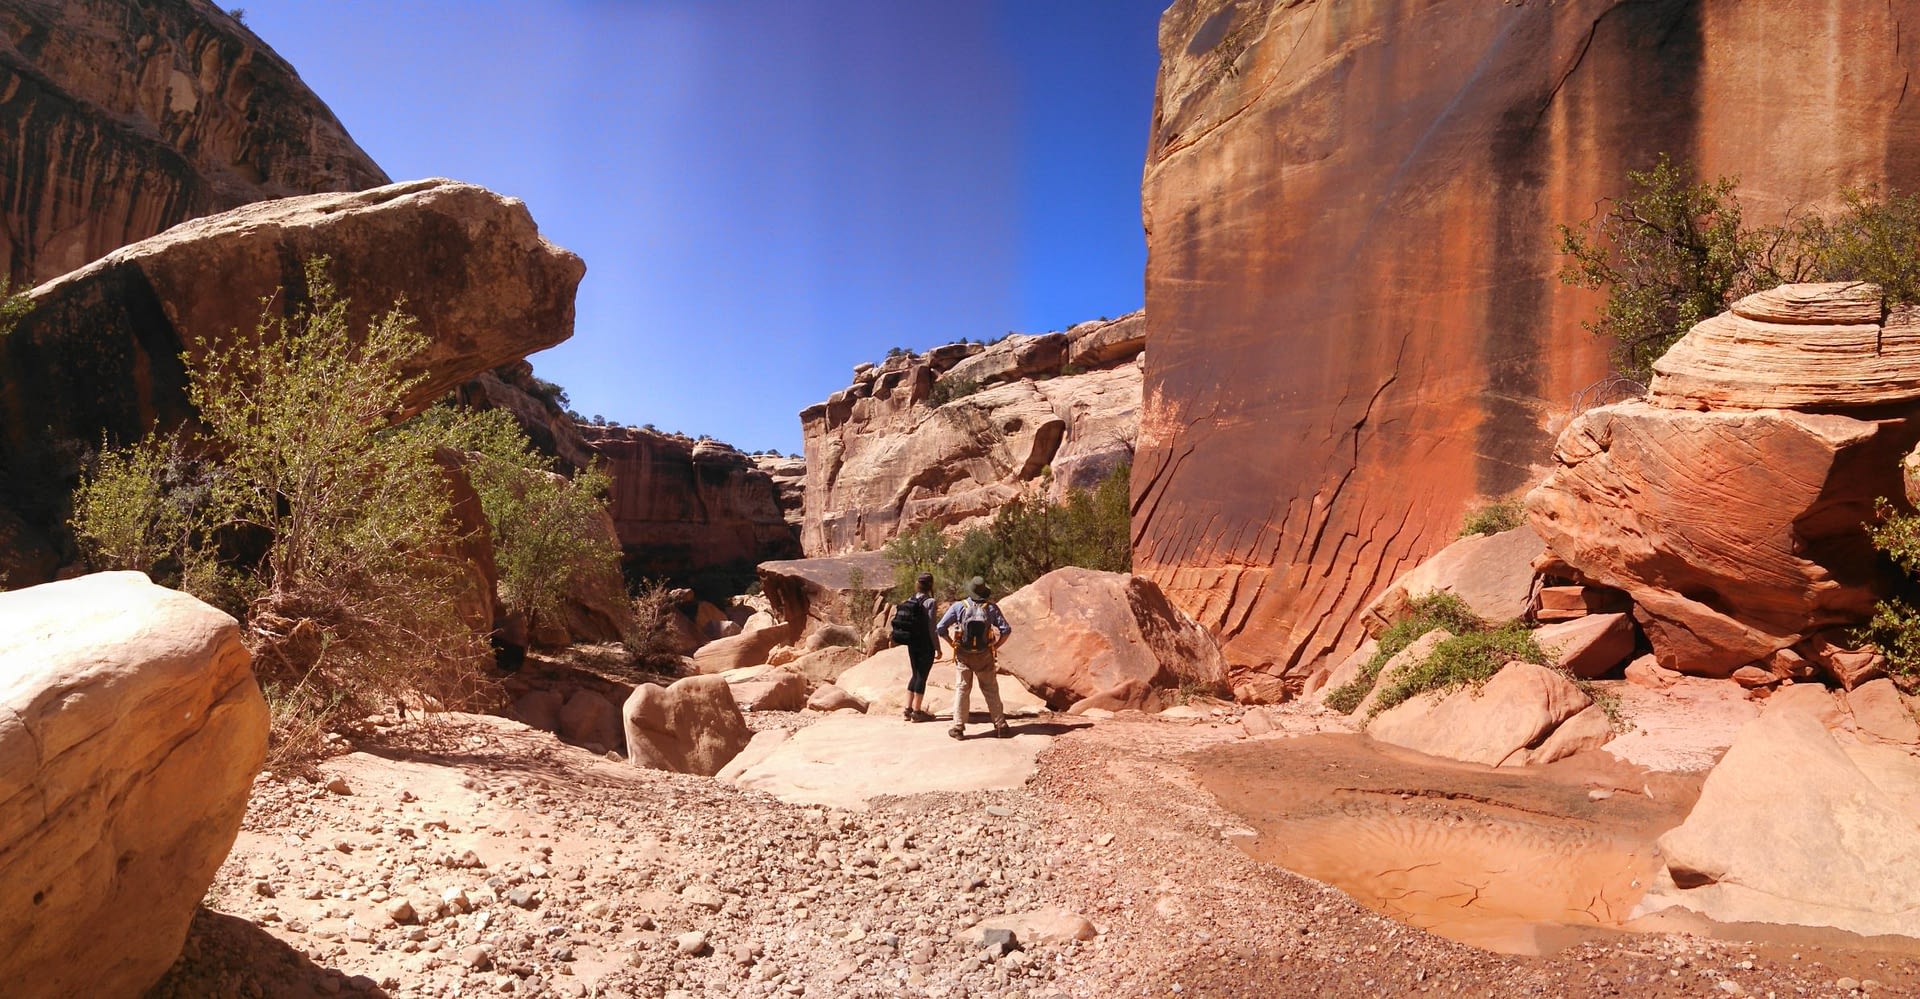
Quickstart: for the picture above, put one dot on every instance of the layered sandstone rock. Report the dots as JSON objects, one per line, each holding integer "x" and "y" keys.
{"x": 1355, "y": 319}
{"x": 1737, "y": 534}
{"x": 695, "y": 511}
{"x": 1040, "y": 414}
{"x": 1078, "y": 632}
{"x": 130, "y": 732}
{"x": 129, "y": 118}
{"x": 101, "y": 352}
{"x": 812, "y": 594}
{"x": 1526, "y": 714}
{"x": 1795, "y": 826}
{"x": 691, "y": 727}
{"x": 789, "y": 477}
{"x": 512, "y": 388}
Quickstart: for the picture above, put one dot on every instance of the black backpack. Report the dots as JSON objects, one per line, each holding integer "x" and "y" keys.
{"x": 910, "y": 622}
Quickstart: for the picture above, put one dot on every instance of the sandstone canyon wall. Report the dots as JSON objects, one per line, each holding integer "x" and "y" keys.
{"x": 949, "y": 436}
{"x": 697, "y": 513}
{"x": 124, "y": 118}
{"x": 1355, "y": 321}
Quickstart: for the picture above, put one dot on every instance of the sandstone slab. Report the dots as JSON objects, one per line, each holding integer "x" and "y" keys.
{"x": 749, "y": 648}
{"x": 1078, "y": 632}
{"x": 759, "y": 688}
{"x": 1510, "y": 721}
{"x": 690, "y": 727}
{"x": 130, "y": 732}
{"x": 1491, "y": 573}
{"x": 1793, "y": 827}
{"x": 1589, "y": 647}
{"x": 1879, "y": 709}
{"x": 1736, "y": 534}
{"x": 845, "y": 760}
{"x": 881, "y": 681}
{"x": 1414, "y": 653}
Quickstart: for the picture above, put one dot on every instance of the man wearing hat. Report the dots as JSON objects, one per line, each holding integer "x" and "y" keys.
{"x": 976, "y": 628}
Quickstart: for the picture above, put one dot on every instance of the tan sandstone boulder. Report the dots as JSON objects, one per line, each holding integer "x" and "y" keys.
{"x": 1078, "y": 632}
{"x": 1879, "y": 710}
{"x": 1491, "y": 573}
{"x": 767, "y": 688}
{"x": 690, "y": 727}
{"x": 1736, "y": 533}
{"x": 749, "y": 648}
{"x": 130, "y": 732}
{"x": 829, "y": 698}
{"x": 1416, "y": 652}
{"x": 589, "y": 719}
{"x": 1796, "y": 827}
{"x": 1589, "y": 647}
{"x": 1515, "y": 719}
{"x": 881, "y": 681}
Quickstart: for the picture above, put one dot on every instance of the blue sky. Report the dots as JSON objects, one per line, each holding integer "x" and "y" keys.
{"x": 767, "y": 193}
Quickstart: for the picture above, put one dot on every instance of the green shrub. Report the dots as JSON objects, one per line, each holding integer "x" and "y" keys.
{"x": 1495, "y": 517}
{"x": 948, "y": 389}
{"x": 1435, "y": 610}
{"x": 1895, "y": 625}
{"x": 1467, "y": 659}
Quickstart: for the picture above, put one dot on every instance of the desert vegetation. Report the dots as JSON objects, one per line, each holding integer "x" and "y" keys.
{"x": 1027, "y": 539}
{"x": 298, "y": 503}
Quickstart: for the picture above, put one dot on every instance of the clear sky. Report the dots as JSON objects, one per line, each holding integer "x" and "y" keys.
{"x": 767, "y": 192}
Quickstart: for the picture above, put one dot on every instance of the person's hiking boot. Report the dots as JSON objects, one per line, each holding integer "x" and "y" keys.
{"x": 923, "y": 716}
{"x": 958, "y": 731}
{"x": 1001, "y": 731}
{"x": 907, "y": 713}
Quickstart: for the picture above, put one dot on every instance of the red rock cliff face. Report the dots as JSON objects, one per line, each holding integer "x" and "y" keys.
{"x": 122, "y": 118}
{"x": 1355, "y": 323}
{"x": 698, "y": 513}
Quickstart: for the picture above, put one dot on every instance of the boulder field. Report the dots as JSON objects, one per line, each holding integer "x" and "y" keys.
{"x": 130, "y": 732}
{"x": 1355, "y": 326}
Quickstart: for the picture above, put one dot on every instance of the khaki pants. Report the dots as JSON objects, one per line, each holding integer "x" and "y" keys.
{"x": 969, "y": 667}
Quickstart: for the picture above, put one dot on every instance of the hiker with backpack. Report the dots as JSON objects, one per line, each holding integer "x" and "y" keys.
{"x": 913, "y": 628}
{"x": 970, "y": 622}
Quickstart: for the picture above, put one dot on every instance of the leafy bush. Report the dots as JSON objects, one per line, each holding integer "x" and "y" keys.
{"x": 1091, "y": 528}
{"x": 1895, "y": 625}
{"x": 1435, "y": 610}
{"x": 1674, "y": 251}
{"x": 1468, "y": 659}
{"x": 1495, "y": 517}
{"x": 948, "y": 389}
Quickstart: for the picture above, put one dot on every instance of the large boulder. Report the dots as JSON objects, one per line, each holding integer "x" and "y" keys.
{"x": 1491, "y": 573}
{"x": 1736, "y": 533}
{"x": 1526, "y": 714}
{"x": 880, "y": 681}
{"x": 130, "y": 732}
{"x": 1589, "y": 647}
{"x": 1794, "y": 826}
{"x": 1357, "y": 324}
{"x": 749, "y": 648}
{"x": 767, "y": 688}
{"x": 589, "y": 719}
{"x": 102, "y": 351}
{"x": 824, "y": 592}
{"x": 1078, "y": 632}
{"x": 690, "y": 727}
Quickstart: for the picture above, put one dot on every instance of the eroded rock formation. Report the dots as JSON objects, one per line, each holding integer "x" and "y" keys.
{"x": 127, "y": 118}
{"x": 101, "y": 352}
{"x": 1079, "y": 633}
{"x": 950, "y": 436}
{"x": 130, "y": 732}
{"x": 1735, "y": 527}
{"x": 1355, "y": 320}
{"x": 697, "y": 512}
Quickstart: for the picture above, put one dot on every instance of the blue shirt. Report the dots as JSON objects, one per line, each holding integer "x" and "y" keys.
{"x": 958, "y": 612}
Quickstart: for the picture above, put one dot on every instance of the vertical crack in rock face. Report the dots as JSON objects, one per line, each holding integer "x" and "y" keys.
{"x": 127, "y": 118}
{"x": 1356, "y": 325}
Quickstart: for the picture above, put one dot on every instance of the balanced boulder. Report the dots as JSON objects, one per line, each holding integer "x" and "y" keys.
{"x": 130, "y": 732}
{"x": 691, "y": 727}
{"x": 1525, "y": 714}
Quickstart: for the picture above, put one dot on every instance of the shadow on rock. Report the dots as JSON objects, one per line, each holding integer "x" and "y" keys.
{"x": 226, "y": 955}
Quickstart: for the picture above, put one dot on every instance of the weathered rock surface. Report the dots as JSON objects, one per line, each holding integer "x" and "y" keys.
{"x": 829, "y": 697}
{"x": 130, "y": 732}
{"x": 101, "y": 352}
{"x": 690, "y": 727}
{"x": 1356, "y": 326}
{"x": 1079, "y": 632}
{"x": 1879, "y": 710}
{"x": 1512, "y": 720}
{"x": 1491, "y": 573}
{"x": 881, "y": 681}
{"x": 789, "y": 477}
{"x": 1416, "y": 652}
{"x": 749, "y": 648}
{"x": 1736, "y": 534}
{"x": 882, "y": 459}
{"x": 813, "y": 594}
{"x": 697, "y": 512}
{"x": 588, "y": 719}
{"x": 1795, "y": 827}
{"x": 1798, "y": 346}
{"x": 767, "y": 688}
{"x": 513, "y": 388}
{"x": 125, "y": 121}
{"x": 1589, "y": 647}
{"x": 847, "y": 759}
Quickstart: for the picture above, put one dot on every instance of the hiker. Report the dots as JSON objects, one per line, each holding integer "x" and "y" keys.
{"x": 973, "y": 650}
{"x": 913, "y": 628}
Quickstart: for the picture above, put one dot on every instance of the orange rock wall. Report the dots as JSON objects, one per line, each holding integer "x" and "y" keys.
{"x": 1356, "y": 331}
{"x": 125, "y": 118}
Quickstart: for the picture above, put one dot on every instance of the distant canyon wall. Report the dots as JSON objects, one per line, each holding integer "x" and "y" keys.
{"x": 949, "y": 436}
{"x": 693, "y": 512}
{"x": 1355, "y": 323}
{"x": 126, "y": 118}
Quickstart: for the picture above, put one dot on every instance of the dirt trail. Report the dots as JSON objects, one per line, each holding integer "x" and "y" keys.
{"x": 592, "y": 878}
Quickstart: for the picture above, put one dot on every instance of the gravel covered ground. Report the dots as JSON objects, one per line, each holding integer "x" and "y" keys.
{"x": 480, "y": 858}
